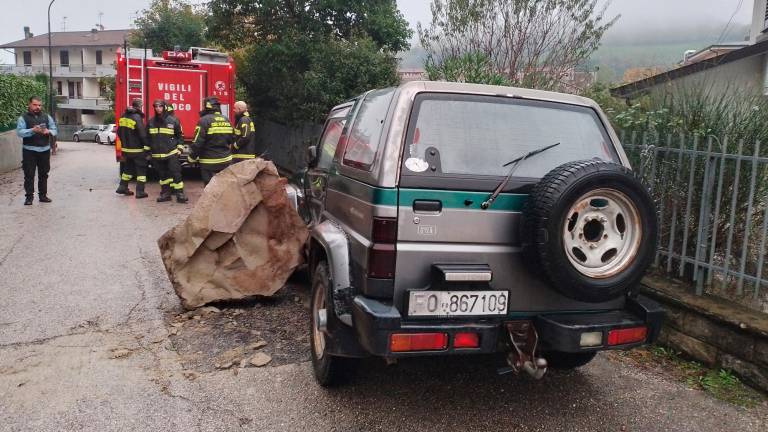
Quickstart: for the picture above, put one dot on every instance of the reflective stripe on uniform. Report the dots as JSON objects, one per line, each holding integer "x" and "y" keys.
{"x": 180, "y": 147}
{"x": 237, "y": 132}
{"x": 197, "y": 132}
{"x": 126, "y": 177}
{"x": 220, "y": 130}
{"x": 179, "y": 185}
{"x": 126, "y": 122}
{"x": 216, "y": 161}
{"x": 243, "y": 156}
{"x": 146, "y": 148}
{"x": 132, "y": 150}
{"x": 165, "y": 155}
{"x": 165, "y": 131}
{"x": 166, "y": 181}
{"x": 142, "y": 179}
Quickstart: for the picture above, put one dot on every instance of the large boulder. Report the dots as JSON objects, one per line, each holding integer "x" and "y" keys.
{"x": 243, "y": 238}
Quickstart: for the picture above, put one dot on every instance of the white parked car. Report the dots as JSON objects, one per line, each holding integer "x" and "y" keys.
{"x": 107, "y": 134}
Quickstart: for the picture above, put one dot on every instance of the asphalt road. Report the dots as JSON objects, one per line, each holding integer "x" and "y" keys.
{"x": 90, "y": 340}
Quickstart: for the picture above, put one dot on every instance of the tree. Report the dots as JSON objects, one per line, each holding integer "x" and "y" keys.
{"x": 471, "y": 67}
{"x": 532, "y": 43}
{"x": 296, "y": 59}
{"x": 169, "y": 23}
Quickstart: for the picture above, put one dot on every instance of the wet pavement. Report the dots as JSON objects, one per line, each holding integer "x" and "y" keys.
{"x": 92, "y": 337}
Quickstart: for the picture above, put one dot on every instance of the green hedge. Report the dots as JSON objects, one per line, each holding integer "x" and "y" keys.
{"x": 15, "y": 92}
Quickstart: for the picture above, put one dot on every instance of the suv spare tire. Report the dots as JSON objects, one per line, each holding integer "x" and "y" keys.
{"x": 590, "y": 228}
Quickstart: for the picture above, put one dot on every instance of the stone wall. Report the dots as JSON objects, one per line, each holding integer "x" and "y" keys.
{"x": 713, "y": 331}
{"x": 10, "y": 151}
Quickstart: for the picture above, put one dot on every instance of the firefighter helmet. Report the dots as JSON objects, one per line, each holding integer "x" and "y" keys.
{"x": 136, "y": 104}
{"x": 212, "y": 102}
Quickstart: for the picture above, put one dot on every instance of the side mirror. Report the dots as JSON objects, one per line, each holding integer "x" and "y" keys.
{"x": 311, "y": 156}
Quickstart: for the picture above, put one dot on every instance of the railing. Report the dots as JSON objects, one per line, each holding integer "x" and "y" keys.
{"x": 71, "y": 70}
{"x": 94, "y": 103}
{"x": 712, "y": 198}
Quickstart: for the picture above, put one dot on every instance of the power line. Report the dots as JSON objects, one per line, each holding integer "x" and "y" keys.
{"x": 725, "y": 29}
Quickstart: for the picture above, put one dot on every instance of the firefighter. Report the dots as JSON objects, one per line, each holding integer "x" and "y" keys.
{"x": 245, "y": 137}
{"x": 213, "y": 138}
{"x": 165, "y": 142}
{"x": 133, "y": 140}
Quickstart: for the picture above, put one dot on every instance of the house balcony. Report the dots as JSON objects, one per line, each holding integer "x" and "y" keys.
{"x": 85, "y": 103}
{"x": 61, "y": 71}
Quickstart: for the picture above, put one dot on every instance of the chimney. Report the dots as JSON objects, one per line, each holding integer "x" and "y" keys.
{"x": 94, "y": 34}
{"x": 27, "y": 33}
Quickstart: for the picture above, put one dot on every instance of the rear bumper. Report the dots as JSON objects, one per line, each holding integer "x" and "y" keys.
{"x": 375, "y": 321}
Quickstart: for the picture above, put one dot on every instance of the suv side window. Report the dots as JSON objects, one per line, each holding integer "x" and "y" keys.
{"x": 330, "y": 138}
{"x": 363, "y": 138}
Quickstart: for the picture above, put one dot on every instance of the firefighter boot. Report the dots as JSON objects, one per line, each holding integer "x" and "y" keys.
{"x": 123, "y": 189}
{"x": 140, "y": 190}
{"x": 165, "y": 193}
{"x": 181, "y": 197}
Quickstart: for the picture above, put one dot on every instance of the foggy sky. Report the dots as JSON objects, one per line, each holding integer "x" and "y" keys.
{"x": 637, "y": 16}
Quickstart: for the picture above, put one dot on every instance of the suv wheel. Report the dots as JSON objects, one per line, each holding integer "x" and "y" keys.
{"x": 563, "y": 360}
{"x": 590, "y": 227}
{"x": 329, "y": 370}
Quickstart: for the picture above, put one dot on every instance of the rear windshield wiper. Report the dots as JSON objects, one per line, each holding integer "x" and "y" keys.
{"x": 515, "y": 163}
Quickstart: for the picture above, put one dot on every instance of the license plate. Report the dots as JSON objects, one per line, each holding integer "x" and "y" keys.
{"x": 457, "y": 303}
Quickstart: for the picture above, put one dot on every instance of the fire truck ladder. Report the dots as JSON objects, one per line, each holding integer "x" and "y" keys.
{"x": 140, "y": 67}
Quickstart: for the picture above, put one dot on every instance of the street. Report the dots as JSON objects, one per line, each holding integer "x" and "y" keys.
{"x": 91, "y": 338}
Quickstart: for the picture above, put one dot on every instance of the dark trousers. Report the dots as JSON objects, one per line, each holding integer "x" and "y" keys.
{"x": 133, "y": 165}
{"x": 32, "y": 161}
{"x": 207, "y": 171}
{"x": 169, "y": 170}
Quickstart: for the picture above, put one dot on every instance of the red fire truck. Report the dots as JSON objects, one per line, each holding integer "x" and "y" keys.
{"x": 182, "y": 78}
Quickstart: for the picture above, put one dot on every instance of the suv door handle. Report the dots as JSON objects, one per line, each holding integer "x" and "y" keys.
{"x": 427, "y": 206}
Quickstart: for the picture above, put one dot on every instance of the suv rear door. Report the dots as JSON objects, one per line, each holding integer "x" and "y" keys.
{"x": 453, "y": 156}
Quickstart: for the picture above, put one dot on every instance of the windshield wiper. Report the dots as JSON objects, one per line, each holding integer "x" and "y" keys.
{"x": 515, "y": 163}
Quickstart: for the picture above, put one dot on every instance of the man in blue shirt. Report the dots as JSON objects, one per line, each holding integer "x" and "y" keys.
{"x": 36, "y": 129}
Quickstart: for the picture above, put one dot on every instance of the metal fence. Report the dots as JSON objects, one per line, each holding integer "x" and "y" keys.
{"x": 712, "y": 198}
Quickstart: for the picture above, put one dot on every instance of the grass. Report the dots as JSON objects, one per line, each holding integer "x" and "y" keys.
{"x": 719, "y": 383}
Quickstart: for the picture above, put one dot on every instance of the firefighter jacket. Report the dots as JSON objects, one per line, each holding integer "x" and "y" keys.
{"x": 132, "y": 133}
{"x": 213, "y": 137}
{"x": 165, "y": 137}
{"x": 245, "y": 136}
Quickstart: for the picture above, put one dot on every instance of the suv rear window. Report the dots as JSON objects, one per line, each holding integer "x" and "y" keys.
{"x": 476, "y": 135}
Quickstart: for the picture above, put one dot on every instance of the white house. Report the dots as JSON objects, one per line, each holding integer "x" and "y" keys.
{"x": 739, "y": 67}
{"x": 80, "y": 59}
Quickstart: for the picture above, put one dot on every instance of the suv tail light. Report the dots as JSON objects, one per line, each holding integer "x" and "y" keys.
{"x": 381, "y": 256}
{"x": 384, "y": 230}
{"x": 627, "y": 335}
{"x": 404, "y": 342}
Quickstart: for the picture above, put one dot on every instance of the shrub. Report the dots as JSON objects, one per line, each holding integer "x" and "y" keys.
{"x": 15, "y": 92}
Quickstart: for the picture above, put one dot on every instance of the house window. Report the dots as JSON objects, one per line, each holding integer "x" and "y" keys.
{"x": 765, "y": 21}
{"x": 71, "y": 89}
{"x": 98, "y": 57}
{"x": 27, "y": 58}
{"x": 58, "y": 87}
{"x": 64, "y": 57}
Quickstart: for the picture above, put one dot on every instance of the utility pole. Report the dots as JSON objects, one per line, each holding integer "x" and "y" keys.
{"x": 50, "y": 65}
